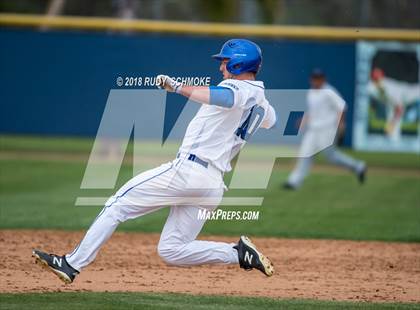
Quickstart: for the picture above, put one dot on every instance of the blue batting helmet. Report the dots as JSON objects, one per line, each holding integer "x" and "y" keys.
{"x": 243, "y": 55}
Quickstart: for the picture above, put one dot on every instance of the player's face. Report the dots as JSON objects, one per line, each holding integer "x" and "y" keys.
{"x": 226, "y": 74}
{"x": 317, "y": 82}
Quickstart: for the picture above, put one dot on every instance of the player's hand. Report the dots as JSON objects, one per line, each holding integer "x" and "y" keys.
{"x": 170, "y": 85}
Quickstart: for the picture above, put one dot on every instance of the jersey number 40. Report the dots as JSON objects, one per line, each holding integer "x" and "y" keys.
{"x": 251, "y": 123}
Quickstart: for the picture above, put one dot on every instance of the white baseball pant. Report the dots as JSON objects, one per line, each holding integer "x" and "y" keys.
{"x": 184, "y": 185}
{"x": 313, "y": 141}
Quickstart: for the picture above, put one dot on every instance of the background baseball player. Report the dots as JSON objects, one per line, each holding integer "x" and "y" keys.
{"x": 229, "y": 115}
{"x": 325, "y": 113}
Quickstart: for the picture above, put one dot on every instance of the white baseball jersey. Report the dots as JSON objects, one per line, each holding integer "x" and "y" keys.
{"x": 216, "y": 134}
{"x": 324, "y": 108}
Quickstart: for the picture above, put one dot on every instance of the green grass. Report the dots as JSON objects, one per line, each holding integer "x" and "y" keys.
{"x": 84, "y": 146}
{"x": 37, "y": 193}
{"x": 127, "y": 301}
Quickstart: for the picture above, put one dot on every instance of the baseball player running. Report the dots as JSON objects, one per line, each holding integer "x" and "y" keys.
{"x": 325, "y": 114}
{"x": 229, "y": 114}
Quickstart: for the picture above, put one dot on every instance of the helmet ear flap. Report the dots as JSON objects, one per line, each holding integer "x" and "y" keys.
{"x": 234, "y": 67}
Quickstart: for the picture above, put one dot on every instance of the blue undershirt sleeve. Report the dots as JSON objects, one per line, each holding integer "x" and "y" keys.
{"x": 221, "y": 96}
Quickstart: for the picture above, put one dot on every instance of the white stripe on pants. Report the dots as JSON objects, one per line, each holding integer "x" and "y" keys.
{"x": 185, "y": 185}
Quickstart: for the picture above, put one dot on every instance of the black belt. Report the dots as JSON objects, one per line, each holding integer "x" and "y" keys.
{"x": 196, "y": 159}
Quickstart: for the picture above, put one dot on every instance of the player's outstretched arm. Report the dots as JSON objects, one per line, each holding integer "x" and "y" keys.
{"x": 199, "y": 94}
{"x": 219, "y": 96}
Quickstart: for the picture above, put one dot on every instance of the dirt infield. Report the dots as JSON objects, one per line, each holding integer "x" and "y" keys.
{"x": 315, "y": 269}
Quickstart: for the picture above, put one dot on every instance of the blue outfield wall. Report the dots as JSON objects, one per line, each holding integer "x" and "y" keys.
{"x": 57, "y": 82}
